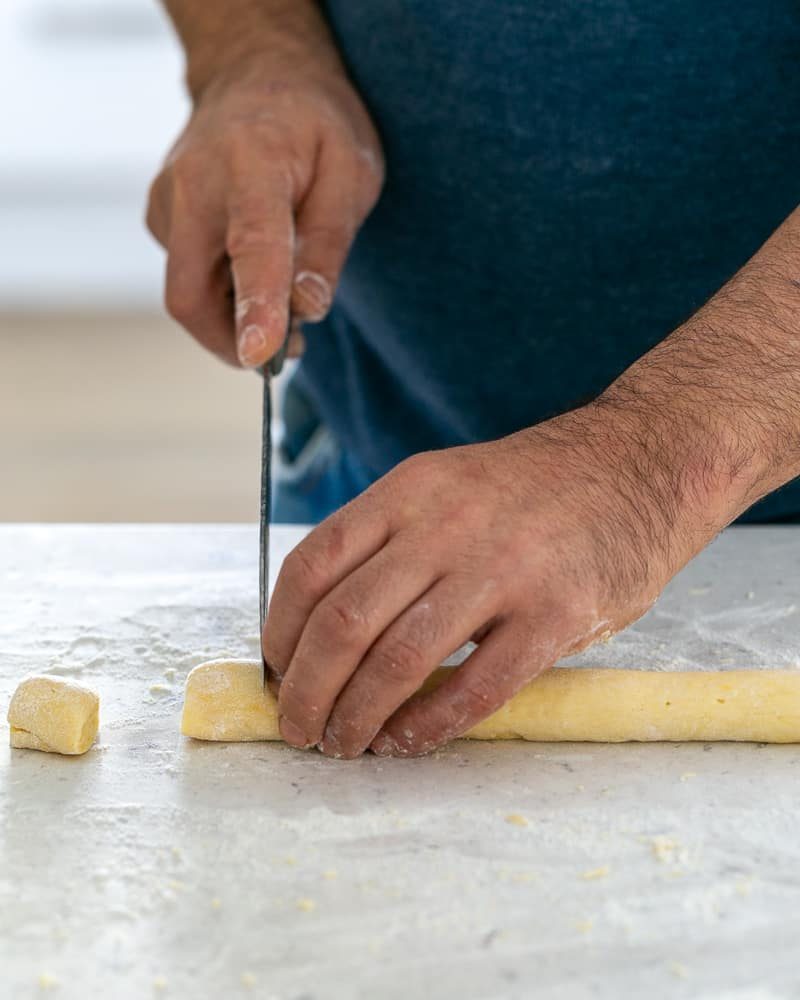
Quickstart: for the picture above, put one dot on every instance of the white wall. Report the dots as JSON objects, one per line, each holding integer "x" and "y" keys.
{"x": 90, "y": 99}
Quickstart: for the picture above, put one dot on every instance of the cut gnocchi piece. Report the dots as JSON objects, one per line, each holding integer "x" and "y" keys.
{"x": 54, "y": 715}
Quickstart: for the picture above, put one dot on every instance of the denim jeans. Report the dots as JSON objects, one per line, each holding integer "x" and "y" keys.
{"x": 557, "y": 201}
{"x": 312, "y": 473}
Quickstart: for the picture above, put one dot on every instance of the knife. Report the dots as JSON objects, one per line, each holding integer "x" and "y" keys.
{"x": 272, "y": 367}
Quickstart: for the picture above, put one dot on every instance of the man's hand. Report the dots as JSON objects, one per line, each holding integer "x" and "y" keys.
{"x": 534, "y": 546}
{"x": 538, "y": 544}
{"x": 262, "y": 195}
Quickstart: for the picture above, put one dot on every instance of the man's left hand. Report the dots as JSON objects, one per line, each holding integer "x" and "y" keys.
{"x": 533, "y": 546}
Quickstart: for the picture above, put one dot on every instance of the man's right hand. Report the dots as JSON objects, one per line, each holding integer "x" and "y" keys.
{"x": 261, "y": 196}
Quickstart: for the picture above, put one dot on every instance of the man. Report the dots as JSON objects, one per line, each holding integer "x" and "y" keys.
{"x": 557, "y": 191}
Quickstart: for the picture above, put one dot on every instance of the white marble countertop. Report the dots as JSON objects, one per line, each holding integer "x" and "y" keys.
{"x": 155, "y": 866}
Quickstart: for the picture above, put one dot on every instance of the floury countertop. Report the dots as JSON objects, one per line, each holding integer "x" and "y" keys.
{"x": 155, "y": 866}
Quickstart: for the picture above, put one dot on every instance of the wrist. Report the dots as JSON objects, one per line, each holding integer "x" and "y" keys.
{"x": 704, "y": 463}
{"x": 273, "y": 37}
{"x": 644, "y": 482}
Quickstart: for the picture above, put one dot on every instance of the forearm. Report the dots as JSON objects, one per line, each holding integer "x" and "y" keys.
{"x": 216, "y": 36}
{"x": 721, "y": 395}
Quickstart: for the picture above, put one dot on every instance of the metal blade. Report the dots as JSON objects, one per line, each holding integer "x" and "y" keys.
{"x": 266, "y": 512}
{"x": 272, "y": 368}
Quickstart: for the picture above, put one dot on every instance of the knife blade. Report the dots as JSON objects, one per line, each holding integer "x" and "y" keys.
{"x": 273, "y": 367}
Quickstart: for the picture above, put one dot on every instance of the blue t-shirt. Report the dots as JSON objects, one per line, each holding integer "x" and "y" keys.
{"x": 567, "y": 182}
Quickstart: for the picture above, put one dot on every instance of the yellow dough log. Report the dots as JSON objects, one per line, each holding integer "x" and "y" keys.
{"x": 225, "y": 700}
{"x": 54, "y": 715}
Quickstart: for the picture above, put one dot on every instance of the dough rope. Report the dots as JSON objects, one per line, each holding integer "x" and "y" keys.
{"x": 225, "y": 700}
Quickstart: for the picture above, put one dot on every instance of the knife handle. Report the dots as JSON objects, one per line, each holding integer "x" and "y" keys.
{"x": 275, "y": 363}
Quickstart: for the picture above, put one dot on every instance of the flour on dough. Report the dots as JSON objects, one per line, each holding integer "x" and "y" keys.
{"x": 53, "y": 714}
{"x": 226, "y": 700}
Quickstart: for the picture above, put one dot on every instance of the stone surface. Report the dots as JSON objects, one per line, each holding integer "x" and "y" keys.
{"x": 487, "y": 870}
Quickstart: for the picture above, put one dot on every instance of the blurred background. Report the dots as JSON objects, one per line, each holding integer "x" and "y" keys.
{"x": 108, "y": 410}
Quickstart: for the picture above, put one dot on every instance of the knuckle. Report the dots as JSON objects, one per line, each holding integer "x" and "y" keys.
{"x": 472, "y": 510}
{"x": 250, "y": 143}
{"x": 398, "y": 659}
{"x": 180, "y": 303}
{"x": 253, "y": 239}
{"x": 239, "y": 147}
{"x": 421, "y": 470}
{"x": 427, "y": 624}
{"x": 370, "y": 182}
{"x": 333, "y": 539}
{"x": 297, "y": 704}
{"x": 261, "y": 159}
{"x": 423, "y": 464}
{"x": 245, "y": 238}
{"x": 400, "y": 478}
{"x": 186, "y": 176}
{"x": 332, "y": 236}
{"x": 342, "y": 617}
{"x": 302, "y": 573}
{"x": 511, "y": 553}
{"x": 481, "y": 696}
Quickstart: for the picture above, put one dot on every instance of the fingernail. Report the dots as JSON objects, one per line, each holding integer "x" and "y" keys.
{"x": 251, "y": 345}
{"x": 384, "y": 745}
{"x": 312, "y": 294}
{"x": 293, "y": 734}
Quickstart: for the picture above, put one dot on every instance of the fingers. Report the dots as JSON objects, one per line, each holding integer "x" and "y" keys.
{"x": 410, "y": 649}
{"x": 300, "y": 284}
{"x": 197, "y": 285}
{"x": 503, "y": 663}
{"x": 340, "y": 631}
{"x": 211, "y": 243}
{"x": 260, "y": 244}
{"x": 326, "y": 224}
{"x": 248, "y": 242}
{"x": 197, "y": 276}
{"x": 331, "y": 552}
{"x": 312, "y": 295}
{"x": 244, "y": 231}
